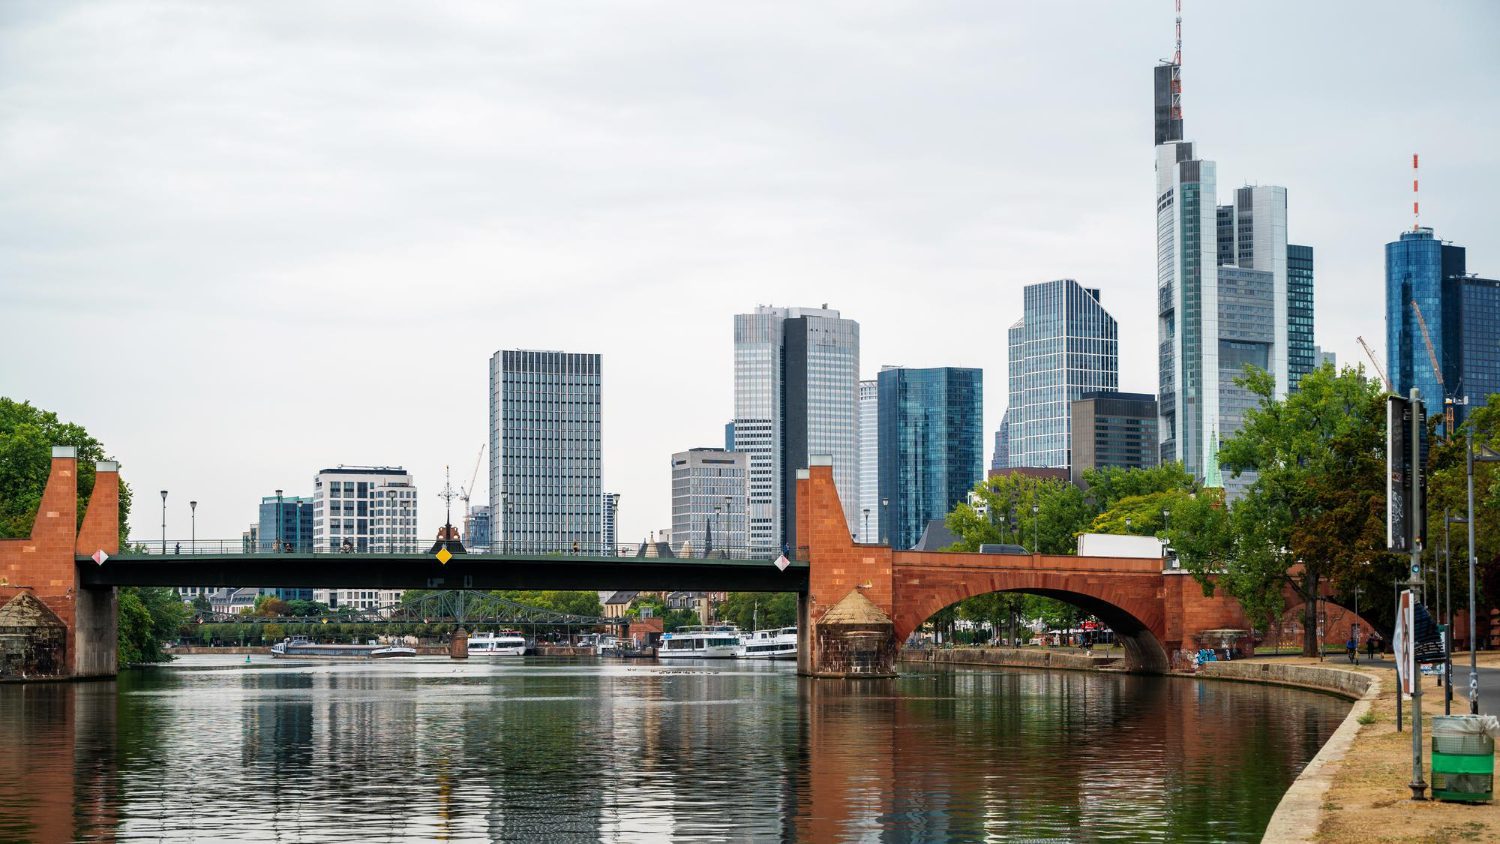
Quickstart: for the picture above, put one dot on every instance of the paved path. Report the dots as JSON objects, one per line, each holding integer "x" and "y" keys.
{"x": 1489, "y": 685}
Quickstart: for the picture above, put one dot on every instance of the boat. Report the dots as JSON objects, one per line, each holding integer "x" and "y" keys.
{"x": 301, "y": 647}
{"x": 769, "y": 644}
{"x": 504, "y": 643}
{"x": 711, "y": 641}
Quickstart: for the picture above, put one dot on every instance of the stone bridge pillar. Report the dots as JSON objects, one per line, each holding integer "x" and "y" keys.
{"x": 44, "y": 564}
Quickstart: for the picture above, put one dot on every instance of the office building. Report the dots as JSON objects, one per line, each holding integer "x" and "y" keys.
{"x": 710, "y": 491}
{"x": 1321, "y": 358}
{"x": 364, "y": 509}
{"x": 1301, "y": 352}
{"x": 1001, "y": 458}
{"x": 546, "y": 494}
{"x": 1427, "y": 284}
{"x": 1113, "y": 429}
{"x": 477, "y": 537}
{"x": 609, "y": 531}
{"x": 1064, "y": 345}
{"x": 796, "y": 395}
{"x": 284, "y": 520}
{"x": 931, "y": 445}
{"x": 869, "y": 461}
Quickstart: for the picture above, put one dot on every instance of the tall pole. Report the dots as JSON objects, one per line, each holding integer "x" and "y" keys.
{"x": 163, "y": 523}
{"x": 193, "y": 541}
{"x": 279, "y": 538}
{"x": 1473, "y": 633}
{"x": 1418, "y": 785}
{"x": 1036, "y": 530}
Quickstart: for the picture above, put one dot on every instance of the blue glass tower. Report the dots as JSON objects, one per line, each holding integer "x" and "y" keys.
{"x": 931, "y": 445}
{"x": 1481, "y": 341}
{"x": 1422, "y": 272}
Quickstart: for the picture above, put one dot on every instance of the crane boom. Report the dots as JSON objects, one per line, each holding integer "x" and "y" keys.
{"x": 1427, "y": 341}
{"x": 465, "y": 492}
{"x": 1376, "y": 364}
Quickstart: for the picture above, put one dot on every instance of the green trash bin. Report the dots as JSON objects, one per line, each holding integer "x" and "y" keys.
{"x": 1463, "y": 758}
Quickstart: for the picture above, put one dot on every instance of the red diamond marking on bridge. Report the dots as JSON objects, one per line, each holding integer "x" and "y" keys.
{"x": 100, "y": 556}
{"x": 782, "y": 562}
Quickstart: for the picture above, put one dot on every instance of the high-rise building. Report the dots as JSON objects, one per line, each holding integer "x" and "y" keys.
{"x": 1301, "y": 352}
{"x": 609, "y": 524}
{"x": 869, "y": 461}
{"x": 1113, "y": 429}
{"x": 1001, "y": 457}
{"x": 364, "y": 509}
{"x": 796, "y": 394}
{"x": 478, "y": 536}
{"x": 546, "y": 493}
{"x": 931, "y": 445}
{"x": 710, "y": 488}
{"x": 1321, "y": 357}
{"x": 1207, "y": 328}
{"x": 1461, "y": 313}
{"x": 1064, "y": 345}
{"x": 284, "y": 520}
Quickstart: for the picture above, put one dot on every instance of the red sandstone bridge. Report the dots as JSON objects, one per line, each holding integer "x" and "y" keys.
{"x": 857, "y": 602}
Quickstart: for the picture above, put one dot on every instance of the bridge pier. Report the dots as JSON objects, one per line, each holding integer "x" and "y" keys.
{"x": 45, "y": 564}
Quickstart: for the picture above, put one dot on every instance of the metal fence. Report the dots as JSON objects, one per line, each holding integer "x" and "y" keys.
{"x": 219, "y": 547}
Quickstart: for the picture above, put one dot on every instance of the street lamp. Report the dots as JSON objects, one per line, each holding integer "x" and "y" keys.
{"x": 297, "y": 528}
{"x": 163, "y": 523}
{"x": 864, "y": 535}
{"x": 728, "y": 525}
{"x": 280, "y": 535}
{"x": 1036, "y": 529}
{"x": 1127, "y": 524}
{"x": 1166, "y": 515}
{"x": 885, "y": 520}
{"x": 1488, "y": 456}
{"x": 193, "y": 541}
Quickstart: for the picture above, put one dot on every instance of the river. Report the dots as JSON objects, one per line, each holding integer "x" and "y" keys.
{"x": 210, "y": 749}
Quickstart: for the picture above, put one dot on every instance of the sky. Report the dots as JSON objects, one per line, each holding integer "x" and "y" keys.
{"x": 240, "y": 242}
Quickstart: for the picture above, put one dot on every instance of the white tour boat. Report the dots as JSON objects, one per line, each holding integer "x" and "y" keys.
{"x": 714, "y": 641}
{"x": 300, "y": 647}
{"x": 770, "y": 644}
{"x": 504, "y": 643}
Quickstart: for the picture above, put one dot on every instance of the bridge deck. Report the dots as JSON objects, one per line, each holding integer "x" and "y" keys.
{"x": 423, "y": 571}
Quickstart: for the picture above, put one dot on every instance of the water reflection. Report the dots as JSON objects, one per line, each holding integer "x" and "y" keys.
{"x": 565, "y": 752}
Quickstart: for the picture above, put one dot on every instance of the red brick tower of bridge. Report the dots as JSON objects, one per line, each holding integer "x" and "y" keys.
{"x": 45, "y": 565}
{"x": 1160, "y": 616}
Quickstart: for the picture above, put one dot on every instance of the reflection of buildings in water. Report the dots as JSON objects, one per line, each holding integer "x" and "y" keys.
{"x": 38, "y": 725}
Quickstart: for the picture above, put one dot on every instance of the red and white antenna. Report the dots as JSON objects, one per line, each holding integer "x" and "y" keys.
{"x": 1177, "y": 57}
{"x": 1416, "y": 209}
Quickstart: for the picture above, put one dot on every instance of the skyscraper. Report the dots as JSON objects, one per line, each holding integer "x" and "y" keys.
{"x": 709, "y": 494}
{"x": 1064, "y": 345}
{"x": 364, "y": 508}
{"x": 609, "y": 524}
{"x": 796, "y": 394}
{"x": 1113, "y": 429}
{"x": 1001, "y": 457}
{"x": 931, "y": 445}
{"x": 1461, "y": 314}
{"x": 477, "y": 535}
{"x": 545, "y": 443}
{"x": 284, "y": 519}
{"x": 1230, "y": 292}
{"x": 869, "y": 461}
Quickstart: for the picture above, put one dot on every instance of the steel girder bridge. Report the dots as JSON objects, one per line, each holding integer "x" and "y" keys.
{"x": 459, "y": 607}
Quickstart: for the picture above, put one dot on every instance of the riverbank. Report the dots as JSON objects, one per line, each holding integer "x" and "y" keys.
{"x": 1009, "y": 658}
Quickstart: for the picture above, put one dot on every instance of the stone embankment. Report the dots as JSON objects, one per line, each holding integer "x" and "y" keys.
{"x": 1350, "y": 684}
{"x": 1009, "y": 657}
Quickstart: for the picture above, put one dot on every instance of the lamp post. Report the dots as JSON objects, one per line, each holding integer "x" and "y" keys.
{"x": 1488, "y": 457}
{"x": 279, "y": 533}
{"x": 163, "y": 523}
{"x": 728, "y": 525}
{"x": 885, "y": 520}
{"x": 1127, "y": 524}
{"x": 1036, "y": 529}
{"x": 864, "y": 534}
{"x": 1166, "y": 516}
{"x": 193, "y": 540}
{"x": 717, "y": 509}
{"x": 297, "y": 530}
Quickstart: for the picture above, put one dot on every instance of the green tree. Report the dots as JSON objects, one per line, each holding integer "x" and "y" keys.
{"x": 1106, "y": 486}
{"x": 1447, "y": 490}
{"x": 1315, "y": 510}
{"x": 1140, "y": 515}
{"x": 27, "y": 435}
{"x": 1005, "y": 514}
{"x": 148, "y": 617}
{"x": 760, "y": 610}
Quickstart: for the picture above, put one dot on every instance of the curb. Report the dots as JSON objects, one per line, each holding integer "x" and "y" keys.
{"x": 1300, "y": 812}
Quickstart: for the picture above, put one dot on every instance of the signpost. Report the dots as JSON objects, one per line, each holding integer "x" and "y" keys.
{"x": 1405, "y": 529}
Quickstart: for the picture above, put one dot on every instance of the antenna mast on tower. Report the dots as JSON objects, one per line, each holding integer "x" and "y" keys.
{"x": 1416, "y": 216}
{"x": 1177, "y": 57}
{"x": 1177, "y": 69}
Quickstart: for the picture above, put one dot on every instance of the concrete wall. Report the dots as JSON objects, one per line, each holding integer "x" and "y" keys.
{"x": 1012, "y": 657}
{"x": 1350, "y": 684}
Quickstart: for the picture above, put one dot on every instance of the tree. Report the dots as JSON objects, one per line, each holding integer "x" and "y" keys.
{"x": 1110, "y": 484}
{"x": 1004, "y": 514}
{"x": 271, "y": 606}
{"x": 1447, "y": 490}
{"x": 1314, "y": 512}
{"x": 759, "y": 610}
{"x": 27, "y": 435}
{"x": 148, "y": 617}
{"x": 1143, "y": 512}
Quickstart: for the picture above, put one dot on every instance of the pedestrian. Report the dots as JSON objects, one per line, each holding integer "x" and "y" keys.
{"x": 177, "y": 549}
{"x": 1370, "y": 644}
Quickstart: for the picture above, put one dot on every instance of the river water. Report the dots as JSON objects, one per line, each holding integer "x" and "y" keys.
{"x": 211, "y": 749}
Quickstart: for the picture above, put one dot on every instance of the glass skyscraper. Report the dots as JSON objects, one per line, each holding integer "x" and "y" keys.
{"x": 869, "y": 461}
{"x": 1301, "y": 353}
{"x": 796, "y": 394}
{"x": 931, "y": 445}
{"x": 1064, "y": 345}
{"x": 1462, "y": 315}
{"x": 545, "y": 438}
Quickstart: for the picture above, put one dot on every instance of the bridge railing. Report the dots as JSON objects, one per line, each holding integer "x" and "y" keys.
{"x": 335, "y": 546}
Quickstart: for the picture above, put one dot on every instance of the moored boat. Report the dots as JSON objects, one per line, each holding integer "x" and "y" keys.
{"x": 504, "y": 643}
{"x": 769, "y": 644}
{"x": 300, "y": 647}
{"x": 713, "y": 641}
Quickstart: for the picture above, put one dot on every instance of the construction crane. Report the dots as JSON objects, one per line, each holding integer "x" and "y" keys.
{"x": 1376, "y": 364}
{"x": 1436, "y": 370}
{"x": 465, "y": 491}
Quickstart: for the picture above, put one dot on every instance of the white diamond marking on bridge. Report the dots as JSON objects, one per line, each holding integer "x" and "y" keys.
{"x": 782, "y": 562}
{"x": 100, "y": 556}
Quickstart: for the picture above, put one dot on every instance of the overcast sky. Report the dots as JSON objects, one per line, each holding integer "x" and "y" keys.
{"x": 243, "y": 241}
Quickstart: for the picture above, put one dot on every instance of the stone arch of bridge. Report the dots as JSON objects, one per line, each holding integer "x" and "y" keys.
{"x": 1133, "y": 612}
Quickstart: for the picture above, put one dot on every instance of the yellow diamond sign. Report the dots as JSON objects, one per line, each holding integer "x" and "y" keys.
{"x": 444, "y": 555}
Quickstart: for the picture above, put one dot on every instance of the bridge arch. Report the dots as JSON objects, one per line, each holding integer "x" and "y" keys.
{"x": 1127, "y": 611}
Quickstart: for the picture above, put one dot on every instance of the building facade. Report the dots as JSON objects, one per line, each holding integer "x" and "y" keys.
{"x": 546, "y": 492}
{"x": 931, "y": 445}
{"x": 478, "y": 536}
{"x": 364, "y": 509}
{"x": 1113, "y": 429}
{"x": 710, "y": 491}
{"x": 796, "y": 394}
{"x": 609, "y": 530}
{"x": 1064, "y": 345}
{"x": 1481, "y": 342}
{"x": 869, "y": 461}
{"x": 1302, "y": 354}
{"x": 284, "y": 520}
{"x": 1001, "y": 458}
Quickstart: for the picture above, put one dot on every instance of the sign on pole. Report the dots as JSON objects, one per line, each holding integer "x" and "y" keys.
{"x": 1404, "y": 644}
